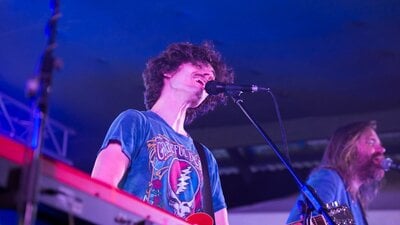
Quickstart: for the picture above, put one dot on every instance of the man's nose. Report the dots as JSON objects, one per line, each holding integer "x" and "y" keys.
{"x": 208, "y": 77}
{"x": 381, "y": 149}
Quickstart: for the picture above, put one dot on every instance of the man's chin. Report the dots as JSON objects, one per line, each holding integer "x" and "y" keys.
{"x": 376, "y": 175}
{"x": 199, "y": 98}
{"x": 379, "y": 174}
{"x": 372, "y": 174}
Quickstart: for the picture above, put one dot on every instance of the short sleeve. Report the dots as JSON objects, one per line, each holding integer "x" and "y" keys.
{"x": 128, "y": 129}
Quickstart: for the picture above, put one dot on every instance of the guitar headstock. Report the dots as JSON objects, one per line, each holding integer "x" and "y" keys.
{"x": 341, "y": 215}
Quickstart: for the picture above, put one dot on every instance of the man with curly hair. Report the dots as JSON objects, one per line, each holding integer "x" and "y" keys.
{"x": 149, "y": 153}
{"x": 350, "y": 172}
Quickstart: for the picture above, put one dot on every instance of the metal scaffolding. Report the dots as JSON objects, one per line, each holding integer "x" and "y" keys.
{"x": 16, "y": 122}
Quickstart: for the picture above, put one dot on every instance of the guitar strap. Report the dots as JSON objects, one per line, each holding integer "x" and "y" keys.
{"x": 207, "y": 199}
{"x": 362, "y": 211}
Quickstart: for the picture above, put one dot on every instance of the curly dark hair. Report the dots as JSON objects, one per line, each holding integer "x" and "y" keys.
{"x": 169, "y": 61}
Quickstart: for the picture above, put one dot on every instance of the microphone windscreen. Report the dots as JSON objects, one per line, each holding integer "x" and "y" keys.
{"x": 214, "y": 87}
{"x": 386, "y": 163}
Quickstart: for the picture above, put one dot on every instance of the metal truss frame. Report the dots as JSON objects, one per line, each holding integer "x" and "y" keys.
{"x": 16, "y": 122}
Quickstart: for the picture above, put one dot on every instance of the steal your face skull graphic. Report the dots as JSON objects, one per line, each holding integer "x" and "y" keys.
{"x": 184, "y": 186}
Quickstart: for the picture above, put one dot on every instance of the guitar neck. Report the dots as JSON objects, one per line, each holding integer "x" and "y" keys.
{"x": 318, "y": 220}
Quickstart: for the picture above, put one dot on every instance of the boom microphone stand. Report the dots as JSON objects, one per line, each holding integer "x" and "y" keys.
{"x": 38, "y": 90}
{"x": 310, "y": 195}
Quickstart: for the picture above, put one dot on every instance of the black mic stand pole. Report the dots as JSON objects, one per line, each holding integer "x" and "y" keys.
{"x": 310, "y": 195}
{"x": 38, "y": 90}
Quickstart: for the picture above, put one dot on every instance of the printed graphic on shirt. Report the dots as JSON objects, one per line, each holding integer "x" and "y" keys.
{"x": 176, "y": 177}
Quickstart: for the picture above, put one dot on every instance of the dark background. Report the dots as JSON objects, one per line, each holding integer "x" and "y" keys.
{"x": 327, "y": 62}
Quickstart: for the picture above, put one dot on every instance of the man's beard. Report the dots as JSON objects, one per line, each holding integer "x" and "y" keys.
{"x": 370, "y": 173}
{"x": 369, "y": 169}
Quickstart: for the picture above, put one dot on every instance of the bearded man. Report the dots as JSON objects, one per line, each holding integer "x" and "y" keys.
{"x": 349, "y": 174}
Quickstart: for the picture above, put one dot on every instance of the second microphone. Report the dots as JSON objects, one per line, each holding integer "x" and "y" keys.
{"x": 215, "y": 87}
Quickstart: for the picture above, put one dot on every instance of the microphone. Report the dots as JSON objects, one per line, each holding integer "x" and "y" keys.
{"x": 214, "y": 87}
{"x": 388, "y": 163}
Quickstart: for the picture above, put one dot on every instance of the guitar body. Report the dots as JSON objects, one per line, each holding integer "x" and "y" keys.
{"x": 341, "y": 215}
{"x": 200, "y": 219}
{"x": 315, "y": 220}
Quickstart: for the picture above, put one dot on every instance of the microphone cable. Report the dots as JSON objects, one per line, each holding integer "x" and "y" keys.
{"x": 281, "y": 126}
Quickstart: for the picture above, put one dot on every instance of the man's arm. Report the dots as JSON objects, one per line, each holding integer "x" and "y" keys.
{"x": 110, "y": 165}
{"x": 221, "y": 217}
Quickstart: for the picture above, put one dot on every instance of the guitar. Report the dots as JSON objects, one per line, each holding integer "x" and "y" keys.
{"x": 200, "y": 218}
{"x": 341, "y": 215}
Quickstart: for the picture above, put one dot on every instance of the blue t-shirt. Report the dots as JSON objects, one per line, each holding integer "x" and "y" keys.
{"x": 329, "y": 186}
{"x": 165, "y": 168}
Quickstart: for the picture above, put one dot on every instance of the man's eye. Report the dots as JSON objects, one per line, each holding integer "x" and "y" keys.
{"x": 371, "y": 142}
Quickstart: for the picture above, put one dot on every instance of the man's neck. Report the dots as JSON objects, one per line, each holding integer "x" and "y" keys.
{"x": 173, "y": 112}
{"x": 354, "y": 186}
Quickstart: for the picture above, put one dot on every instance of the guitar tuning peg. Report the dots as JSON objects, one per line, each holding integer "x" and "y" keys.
{"x": 332, "y": 205}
